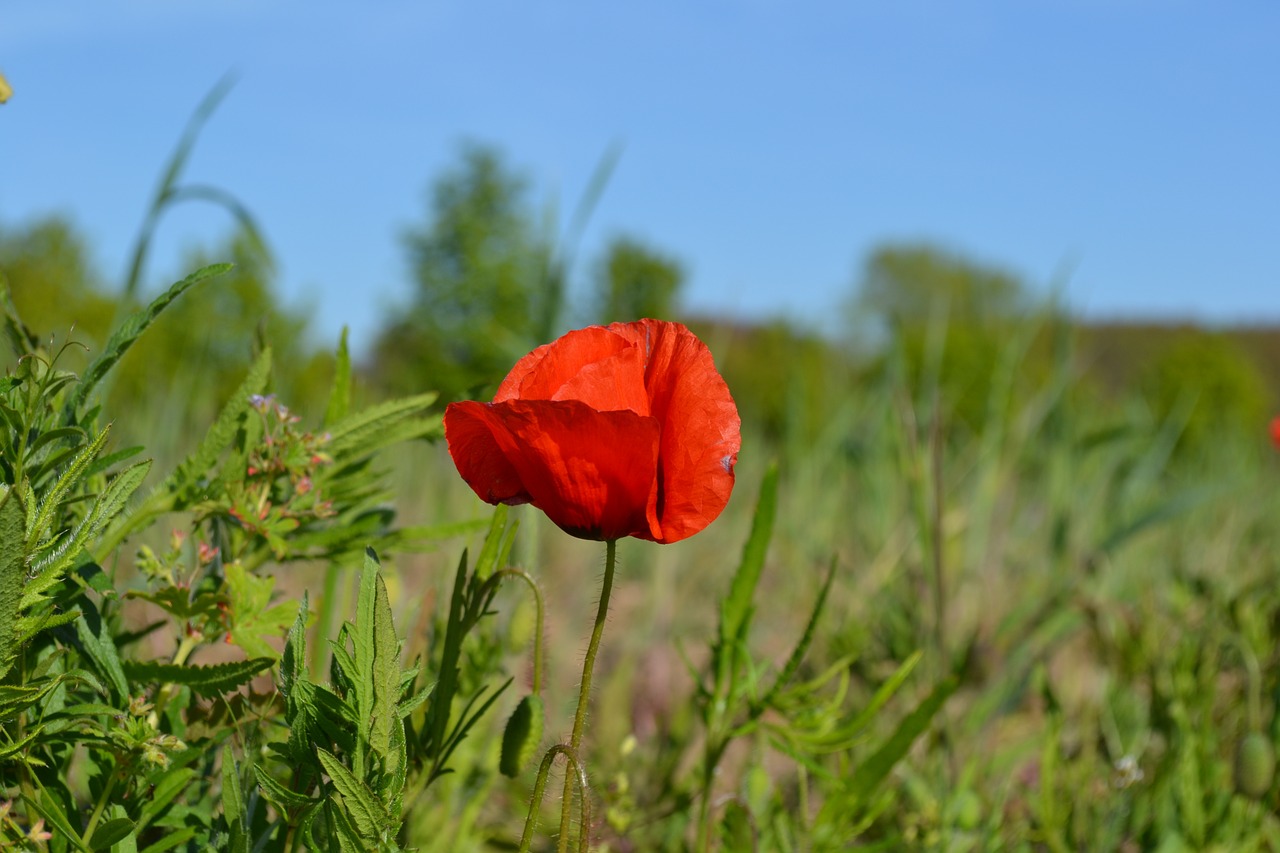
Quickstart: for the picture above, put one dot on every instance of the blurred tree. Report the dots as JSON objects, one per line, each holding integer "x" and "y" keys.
{"x": 633, "y": 281}
{"x": 951, "y": 320}
{"x": 203, "y": 342}
{"x": 910, "y": 283}
{"x": 487, "y": 289}
{"x": 787, "y": 381}
{"x": 1209, "y": 380}
{"x": 54, "y": 285}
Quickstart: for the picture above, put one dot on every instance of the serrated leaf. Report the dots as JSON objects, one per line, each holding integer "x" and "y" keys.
{"x": 17, "y": 746}
{"x": 127, "y": 333}
{"x": 368, "y": 813}
{"x": 378, "y": 426}
{"x": 184, "y": 483}
{"x": 278, "y": 794}
{"x": 110, "y": 503}
{"x": 384, "y": 716}
{"x": 96, "y": 639}
{"x": 53, "y": 498}
{"x": 340, "y": 394}
{"x": 233, "y": 803}
{"x": 253, "y": 618}
{"x": 12, "y": 575}
{"x": 176, "y": 601}
{"x": 208, "y": 681}
{"x": 293, "y": 664}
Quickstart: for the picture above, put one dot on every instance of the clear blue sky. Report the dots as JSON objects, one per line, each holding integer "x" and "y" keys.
{"x": 768, "y": 145}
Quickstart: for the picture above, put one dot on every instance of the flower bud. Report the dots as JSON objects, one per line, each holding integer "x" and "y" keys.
{"x": 1255, "y": 765}
{"x": 522, "y": 735}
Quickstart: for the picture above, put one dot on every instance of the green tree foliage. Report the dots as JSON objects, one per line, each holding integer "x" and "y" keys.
{"x": 633, "y": 281}
{"x": 911, "y": 283}
{"x": 485, "y": 287}
{"x": 204, "y": 340}
{"x": 950, "y": 319}
{"x": 786, "y": 381}
{"x": 1208, "y": 380}
{"x": 54, "y": 284}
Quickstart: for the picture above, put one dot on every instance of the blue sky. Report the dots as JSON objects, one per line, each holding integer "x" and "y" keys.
{"x": 1130, "y": 150}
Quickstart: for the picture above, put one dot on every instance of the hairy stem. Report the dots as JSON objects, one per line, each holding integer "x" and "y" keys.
{"x": 584, "y": 694}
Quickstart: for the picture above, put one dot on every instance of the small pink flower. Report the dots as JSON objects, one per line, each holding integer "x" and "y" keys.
{"x": 1275, "y": 431}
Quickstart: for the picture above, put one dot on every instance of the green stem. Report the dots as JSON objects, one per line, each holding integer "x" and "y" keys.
{"x": 100, "y": 805}
{"x": 584, "y": 694}
{"x": 537, "y": 636}
{"x": 540, "y": 787}
{"x": 185, "y": 648}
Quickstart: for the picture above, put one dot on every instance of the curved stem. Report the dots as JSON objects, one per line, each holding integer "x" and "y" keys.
{"x": 537, "y": 636}
{"x": 584, "y": 694}
{"x": 540, "y": 787}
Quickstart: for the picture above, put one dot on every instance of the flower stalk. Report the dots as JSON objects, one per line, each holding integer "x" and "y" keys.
{"x": 584, "y": 695}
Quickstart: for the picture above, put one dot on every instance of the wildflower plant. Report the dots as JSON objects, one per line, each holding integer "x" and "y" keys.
{"x": 105, "y": 746}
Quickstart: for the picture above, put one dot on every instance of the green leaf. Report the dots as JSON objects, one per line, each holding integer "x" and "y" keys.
{"x": 293, "y": 665}
{"x": 174, "y": 839}
{"x": 177, "y": 601}
{"x": 340, "y": 394}
{"x": 96, "y": 639}
{"x": 792, "y": 665}
{"x": 47, "y": 807}
{"x": 208, "y": 681}
{"x": 165, "y": 790}
{"x": 233, "y": 803}
{"x": 278, "y": 794}
{"x": 883, "y": 694}
{"x": 110, "y": 832}
{"x": 187, "y": 480}
{"x": 382, "y": 425}
{"x": 872, "y": 771}
{"x": 368, "y": 813}
{"x": 384, "y": 715}
{"x": 487, "y": 560}
{"x": 736, "y": 609}
{"x": 108, "y": 505}
{"x": 253, "y": 619}
{"x": 53, "y": 498}
{"x": 129, "y": 331}
{"x": 12, "y": 574}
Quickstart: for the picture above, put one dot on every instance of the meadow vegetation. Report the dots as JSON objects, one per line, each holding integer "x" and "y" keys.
{"x": 992, "y": 578}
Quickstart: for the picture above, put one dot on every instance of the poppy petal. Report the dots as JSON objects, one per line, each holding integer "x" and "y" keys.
{"x": 541, "y": 373}
{"x": 701, "y": 430}
{"x": 469, "y": 432}
{"x": 593, "y": 473}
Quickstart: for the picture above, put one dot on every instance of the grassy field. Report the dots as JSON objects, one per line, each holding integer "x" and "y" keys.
{"x": 1050, "y": 625}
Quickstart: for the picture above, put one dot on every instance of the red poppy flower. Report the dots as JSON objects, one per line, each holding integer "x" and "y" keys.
{"x": 1275, "y": 430}
{"x": 619, "y": 431}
